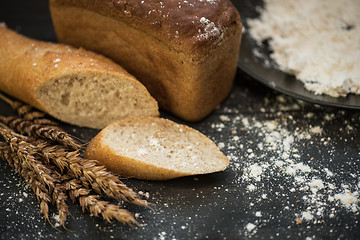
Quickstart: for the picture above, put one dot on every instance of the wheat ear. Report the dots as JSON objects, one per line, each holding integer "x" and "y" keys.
{"x": 100, "y": 179}
{"x": 47, "y": 132}
{"x": 41, "y": 192}
{"x": 96, "y": 206}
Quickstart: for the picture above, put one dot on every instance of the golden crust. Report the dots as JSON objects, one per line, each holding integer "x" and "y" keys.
{"x": 124, "y": 166}
{"x": 26, "y": 65}
{"x": 130, "y": 167}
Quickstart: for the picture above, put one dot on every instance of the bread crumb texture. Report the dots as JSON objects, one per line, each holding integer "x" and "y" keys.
{"x": 96, "y": 99}
{"x": 317, "y": 41}
{"x": 148, "y": 143}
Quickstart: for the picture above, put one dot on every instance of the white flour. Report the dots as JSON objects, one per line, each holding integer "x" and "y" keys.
{"x": 275, "y": 164}
{"x": 317, "y": 41}
{"x": 279, "y": 158}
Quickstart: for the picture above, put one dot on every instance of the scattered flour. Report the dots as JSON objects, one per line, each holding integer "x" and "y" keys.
{"x": 250, "y": 227}
{"x": 258, "y": 214}
{"x": 307, "y": 216}
{"x": 349, "y": 199}
{"x": 209, "y": 30}
{"x": 255, "y": 171}
{"x": 278, "y": 165}
{"x": 317, "y": 41}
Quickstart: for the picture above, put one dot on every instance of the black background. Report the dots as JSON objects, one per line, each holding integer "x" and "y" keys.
{"x": 215, "y": 206}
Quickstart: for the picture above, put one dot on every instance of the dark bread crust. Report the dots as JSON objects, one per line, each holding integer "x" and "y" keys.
{"x": 195, "y": 25}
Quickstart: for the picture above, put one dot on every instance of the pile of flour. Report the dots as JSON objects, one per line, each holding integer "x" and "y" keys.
{"x": 317, "y": 41}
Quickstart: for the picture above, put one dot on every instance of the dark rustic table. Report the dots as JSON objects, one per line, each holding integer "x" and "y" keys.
{"x": 294, "y": 171}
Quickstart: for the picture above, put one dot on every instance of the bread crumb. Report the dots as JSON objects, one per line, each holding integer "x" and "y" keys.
{"x": 251, "y": 187}
{"x": 221, "y": 145}
{"x": 224, "y": 118}
{"x": 298, "y": 221}
{"x": 255, "y": 171}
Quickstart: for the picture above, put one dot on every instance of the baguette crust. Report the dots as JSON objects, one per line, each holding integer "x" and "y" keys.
{"x": 184, "y": 52}
{"x": 30, "y": 69}
{"x": 158, "y": 163}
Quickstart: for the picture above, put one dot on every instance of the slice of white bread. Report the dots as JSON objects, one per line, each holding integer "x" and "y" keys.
{"x": 74, "y": 85}
{"x": 155, "y": 149}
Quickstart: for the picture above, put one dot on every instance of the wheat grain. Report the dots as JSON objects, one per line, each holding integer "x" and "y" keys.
{"x": 31, "y": 128}
{"x": 96, "y": 206}
{"x": 41, "y": 192}
{"x": 86, "y": 170}
{"x": 23, "y": 110}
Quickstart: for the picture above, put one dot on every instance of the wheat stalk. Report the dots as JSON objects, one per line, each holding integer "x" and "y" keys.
{"x": 41, "y": 192}
{"x": 40, "y": 163}
{"x": 95, "y": 174}
{"x": 96, "y": 206}
{"x": 75, "y": 188}
{"x": 59, "y": 198}
{"x": 36, "y": 128}
{"x": 24, "y": 110}
{"x": 99, "y": 178}
{"x": 24, "y": 155}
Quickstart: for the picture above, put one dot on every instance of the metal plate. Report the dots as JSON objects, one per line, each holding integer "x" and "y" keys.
{"x": 262, "y": 68}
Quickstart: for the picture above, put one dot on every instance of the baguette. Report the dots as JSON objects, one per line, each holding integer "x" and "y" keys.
{"x": 184, "y": 52}
{"x": 74, "y": 85}
{"x": 164, "y": 151}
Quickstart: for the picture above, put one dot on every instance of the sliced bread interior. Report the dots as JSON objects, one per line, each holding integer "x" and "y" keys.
{"x": 155, "y": 149}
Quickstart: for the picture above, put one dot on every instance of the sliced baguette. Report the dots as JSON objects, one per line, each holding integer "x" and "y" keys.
{"x": 76, "y": 86}
{"x": 155, "y": 149}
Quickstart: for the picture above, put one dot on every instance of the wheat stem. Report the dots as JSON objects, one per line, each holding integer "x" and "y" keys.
{"x": 41, "y": 192}
{"x": 47, "y": 132}
{"x": 96, "y": 206}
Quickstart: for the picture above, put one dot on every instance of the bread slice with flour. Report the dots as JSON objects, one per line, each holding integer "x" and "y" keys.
{"x": 155, "y": 149}
{"x": 76, "y": 86}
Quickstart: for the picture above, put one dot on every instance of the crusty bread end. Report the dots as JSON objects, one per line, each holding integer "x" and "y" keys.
{"x": 155, "y": 149}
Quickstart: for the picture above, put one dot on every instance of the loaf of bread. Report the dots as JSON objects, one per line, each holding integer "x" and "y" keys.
{"x": 184, "y": 52}
{"x": 165, "y": 150}
{"x": 73, "y": 85}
